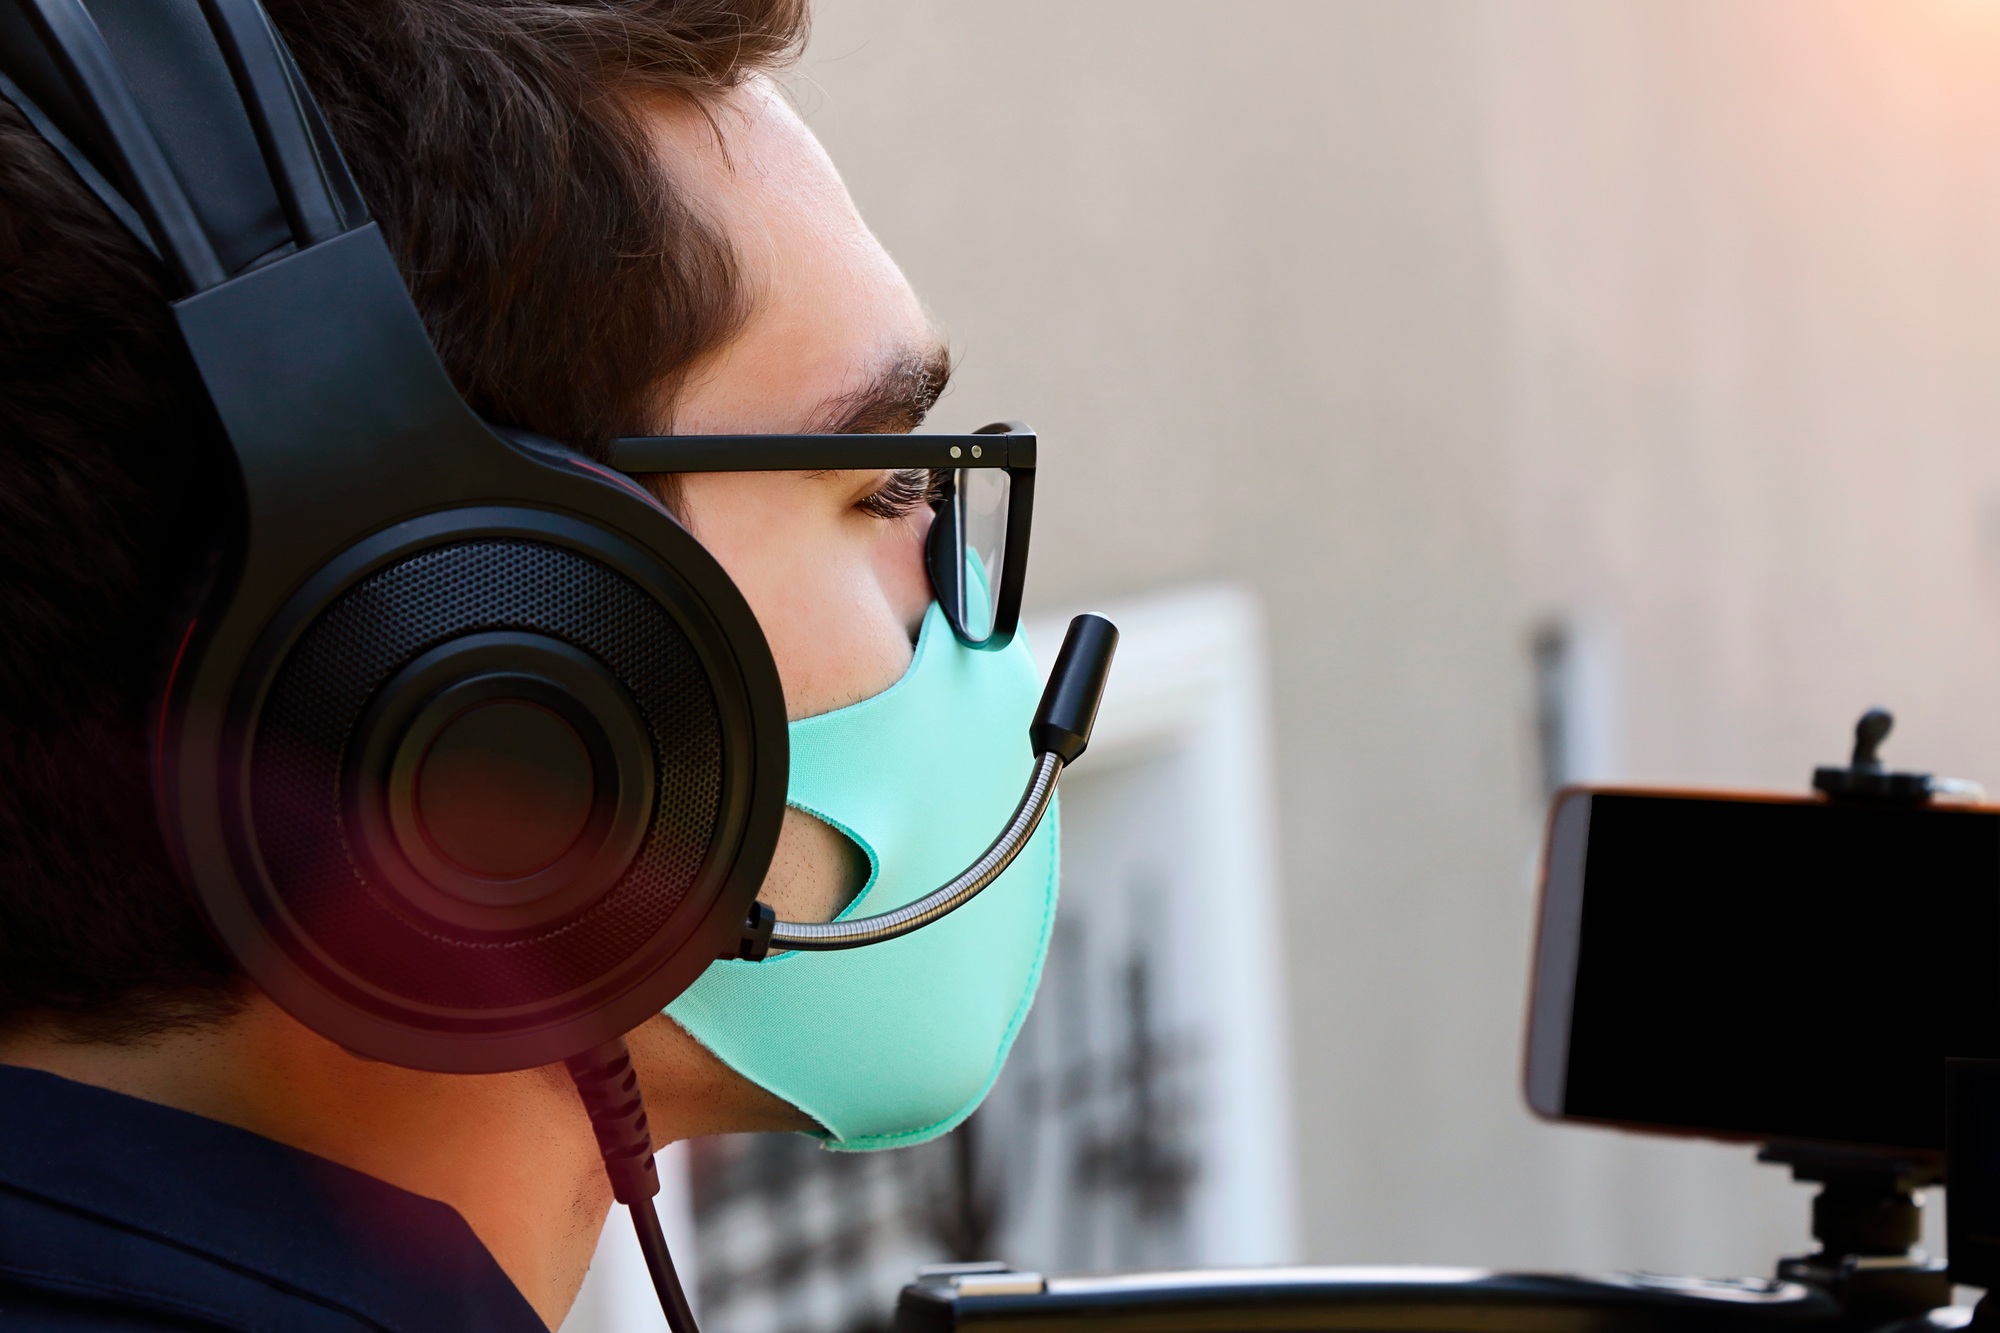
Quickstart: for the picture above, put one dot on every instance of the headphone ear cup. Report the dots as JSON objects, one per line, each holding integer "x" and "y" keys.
{"x": 503, "y": 780}
{"x": 507, "y": 792}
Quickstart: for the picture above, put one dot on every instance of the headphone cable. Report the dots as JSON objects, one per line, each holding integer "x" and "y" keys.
{"x": 660, "y": 1264}
{"x": 610, "y": 1091}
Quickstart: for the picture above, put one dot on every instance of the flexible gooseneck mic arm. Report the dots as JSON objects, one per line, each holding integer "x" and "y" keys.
{"x": 857, "y": 931}
{"x": 1059, "y": 733}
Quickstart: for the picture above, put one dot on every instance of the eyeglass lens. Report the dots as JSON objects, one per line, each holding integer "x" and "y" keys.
{"x": 979, "y": 504}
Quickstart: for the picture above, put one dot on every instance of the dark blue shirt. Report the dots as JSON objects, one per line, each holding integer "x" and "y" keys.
{"x": 117, "y": 1214}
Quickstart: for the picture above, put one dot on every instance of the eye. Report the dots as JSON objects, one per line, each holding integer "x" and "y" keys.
{"x": 900, "y": 494}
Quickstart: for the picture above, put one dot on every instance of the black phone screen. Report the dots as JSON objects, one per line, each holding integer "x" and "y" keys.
{"x": 1777, "y": 969}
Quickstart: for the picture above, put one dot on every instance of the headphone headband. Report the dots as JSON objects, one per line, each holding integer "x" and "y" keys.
{"x": 269, "y": 85}
{"x": 72, "y": 43}
{"x": 197, "y": 118}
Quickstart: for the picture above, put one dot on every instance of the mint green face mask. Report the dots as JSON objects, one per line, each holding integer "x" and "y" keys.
{"x": 897, "y": 1043}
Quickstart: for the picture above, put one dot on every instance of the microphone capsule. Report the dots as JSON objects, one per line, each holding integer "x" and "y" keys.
{"x": 1069, "y": 705}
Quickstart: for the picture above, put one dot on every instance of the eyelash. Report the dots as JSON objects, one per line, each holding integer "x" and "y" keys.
{"x": 901, "y": 494}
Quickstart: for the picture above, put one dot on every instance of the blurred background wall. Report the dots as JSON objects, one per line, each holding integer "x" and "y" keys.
{"x": 1579, "y": 388}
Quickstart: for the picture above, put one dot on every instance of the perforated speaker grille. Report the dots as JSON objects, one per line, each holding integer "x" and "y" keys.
{"x": 322, "y": 691}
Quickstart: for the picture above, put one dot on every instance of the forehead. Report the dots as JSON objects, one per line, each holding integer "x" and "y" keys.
{"x": 827, "y": 309}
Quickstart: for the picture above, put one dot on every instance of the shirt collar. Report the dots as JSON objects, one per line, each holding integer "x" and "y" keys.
{"x": 304, "y": 1223}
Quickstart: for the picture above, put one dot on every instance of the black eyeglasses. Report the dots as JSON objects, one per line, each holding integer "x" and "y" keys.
{"x": 983, "y": 494}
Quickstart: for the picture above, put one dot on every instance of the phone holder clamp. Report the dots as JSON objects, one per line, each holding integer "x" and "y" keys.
{"x": 1866, "y": 778}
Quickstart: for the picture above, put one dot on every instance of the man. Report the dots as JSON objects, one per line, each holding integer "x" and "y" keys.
{"x": 613, "y": 224}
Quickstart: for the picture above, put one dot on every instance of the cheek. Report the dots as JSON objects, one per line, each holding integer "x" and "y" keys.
{"x": 830, "y": 596}
{"x": 900, "y": 567}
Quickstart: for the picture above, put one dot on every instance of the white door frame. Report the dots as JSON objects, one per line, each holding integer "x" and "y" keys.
{"x": 1189, "y": 677}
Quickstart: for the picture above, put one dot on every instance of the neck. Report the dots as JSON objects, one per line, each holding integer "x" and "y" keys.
{"x": 513, "y": 1153}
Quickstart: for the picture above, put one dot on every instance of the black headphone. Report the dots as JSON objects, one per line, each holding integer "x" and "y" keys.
{"x": 474, "y": 756}
{"x": 421, "y": 624}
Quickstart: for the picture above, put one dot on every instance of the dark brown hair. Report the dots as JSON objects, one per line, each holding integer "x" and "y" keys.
{"x": 566, "y": 281}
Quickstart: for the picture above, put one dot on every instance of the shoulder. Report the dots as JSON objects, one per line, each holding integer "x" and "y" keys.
{"x": 67, "y": 1271}
{"x": 117, "y": 1213}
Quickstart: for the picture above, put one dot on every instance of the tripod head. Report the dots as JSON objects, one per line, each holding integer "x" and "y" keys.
{"x": 1867, "y": 1218}
{"x": 1868, "y": 1214}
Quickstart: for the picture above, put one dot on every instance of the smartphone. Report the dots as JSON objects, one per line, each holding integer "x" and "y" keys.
{"x": 1742, "y": 966}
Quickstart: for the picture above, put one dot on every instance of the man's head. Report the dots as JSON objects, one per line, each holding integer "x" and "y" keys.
{"x": 611, "y": 226}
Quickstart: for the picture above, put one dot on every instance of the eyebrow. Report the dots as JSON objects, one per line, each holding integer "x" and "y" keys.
{"x": 896, "y": 399}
